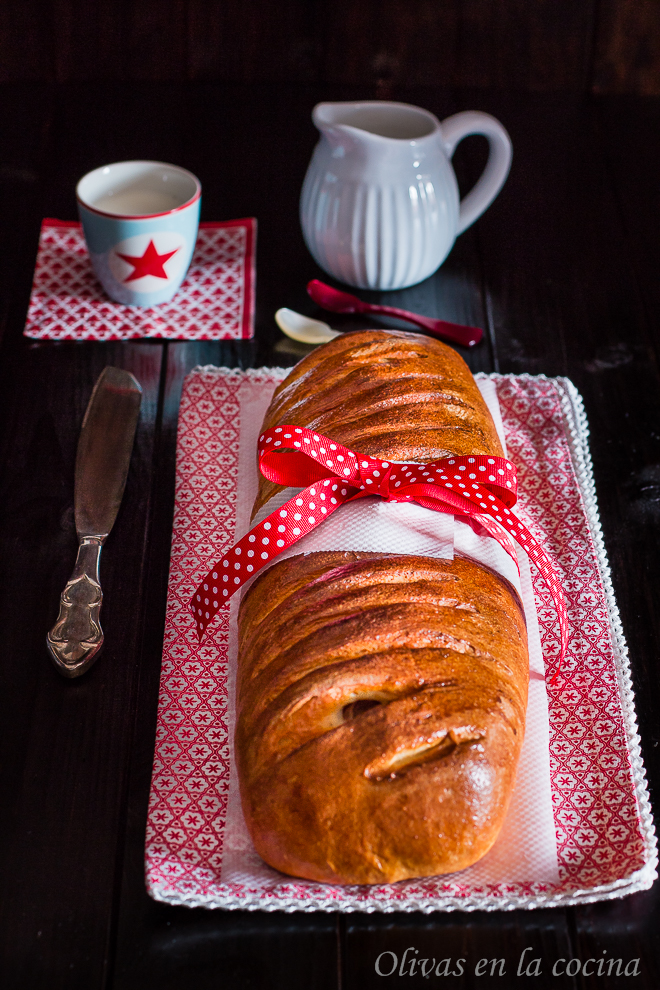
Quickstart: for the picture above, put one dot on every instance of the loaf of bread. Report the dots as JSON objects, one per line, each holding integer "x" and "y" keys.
{"x": 381, "y": 698}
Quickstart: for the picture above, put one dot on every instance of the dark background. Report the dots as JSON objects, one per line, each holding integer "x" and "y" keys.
{"x": 596, "y": 46}
{"x": 562, "y": 272}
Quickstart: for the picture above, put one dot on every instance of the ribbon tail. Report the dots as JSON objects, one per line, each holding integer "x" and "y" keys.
{"x": 494, "y": 529}
{"x": 511, "y": 527}
{"x": 262, "y": 544}
{"x": 548, "y": 570}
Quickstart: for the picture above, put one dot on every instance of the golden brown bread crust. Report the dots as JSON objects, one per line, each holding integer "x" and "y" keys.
{"x": 390, "y": 394}
{"x": 381, "y": 697}
{"x": 419, "y": 784}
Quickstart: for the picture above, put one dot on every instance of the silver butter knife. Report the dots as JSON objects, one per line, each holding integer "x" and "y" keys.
{"x": 104, "y": 453}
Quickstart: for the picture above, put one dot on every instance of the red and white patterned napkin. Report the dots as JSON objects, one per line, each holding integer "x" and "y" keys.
{"x": 603, "y": 844}
{"x": 215, "y": 302}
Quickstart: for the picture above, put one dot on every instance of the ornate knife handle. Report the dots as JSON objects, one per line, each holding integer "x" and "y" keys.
{"x": 76, "y": 638}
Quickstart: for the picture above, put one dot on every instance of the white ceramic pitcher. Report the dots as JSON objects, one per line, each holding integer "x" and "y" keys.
{"x": 380, "y": 206}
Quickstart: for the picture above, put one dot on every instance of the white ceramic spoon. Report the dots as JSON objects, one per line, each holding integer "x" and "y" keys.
{"x": 303, "y": 328}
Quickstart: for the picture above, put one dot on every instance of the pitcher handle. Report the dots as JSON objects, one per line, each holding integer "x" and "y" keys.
{"x": 493, "y": 177}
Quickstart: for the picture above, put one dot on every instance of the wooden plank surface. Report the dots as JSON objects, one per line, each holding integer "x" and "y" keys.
{"x": 627, "y": 48}
{"x": 561, "y": 271}
{"x": 65, "y": 745}
{"x": 527, "y": 45}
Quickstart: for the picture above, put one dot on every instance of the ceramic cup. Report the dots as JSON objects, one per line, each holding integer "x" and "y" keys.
{"x": 140, "y": 223}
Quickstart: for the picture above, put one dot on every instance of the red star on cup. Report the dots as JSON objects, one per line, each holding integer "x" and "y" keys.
{"x": 151, "y": 263}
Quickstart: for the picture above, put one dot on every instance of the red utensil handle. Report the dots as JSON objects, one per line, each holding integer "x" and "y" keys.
{"x": 458, "y": 333}
{"x": 343, "y": 302}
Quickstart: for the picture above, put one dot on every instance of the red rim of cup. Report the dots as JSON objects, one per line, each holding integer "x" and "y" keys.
{"x": 144, "y": 216}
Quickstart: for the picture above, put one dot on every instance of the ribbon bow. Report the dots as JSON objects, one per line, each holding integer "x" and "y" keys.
{"x": 482, "y": 487}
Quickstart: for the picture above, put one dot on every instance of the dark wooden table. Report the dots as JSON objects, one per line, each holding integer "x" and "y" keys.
{"x": 563, "y": 270}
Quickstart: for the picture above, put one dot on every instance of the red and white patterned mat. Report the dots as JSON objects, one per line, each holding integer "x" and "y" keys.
{"x": 605, "y": 841}
{"x": 215, "y": 302}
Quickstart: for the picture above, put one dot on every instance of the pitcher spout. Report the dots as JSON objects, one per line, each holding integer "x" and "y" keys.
{"x": 377, "y": 118}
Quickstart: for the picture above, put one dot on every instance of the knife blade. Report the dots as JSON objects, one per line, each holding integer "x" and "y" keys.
{"x": 102, "y": 462}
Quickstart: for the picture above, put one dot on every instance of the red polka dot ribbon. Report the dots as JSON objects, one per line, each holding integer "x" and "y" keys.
{"x": 484, "y": 488}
